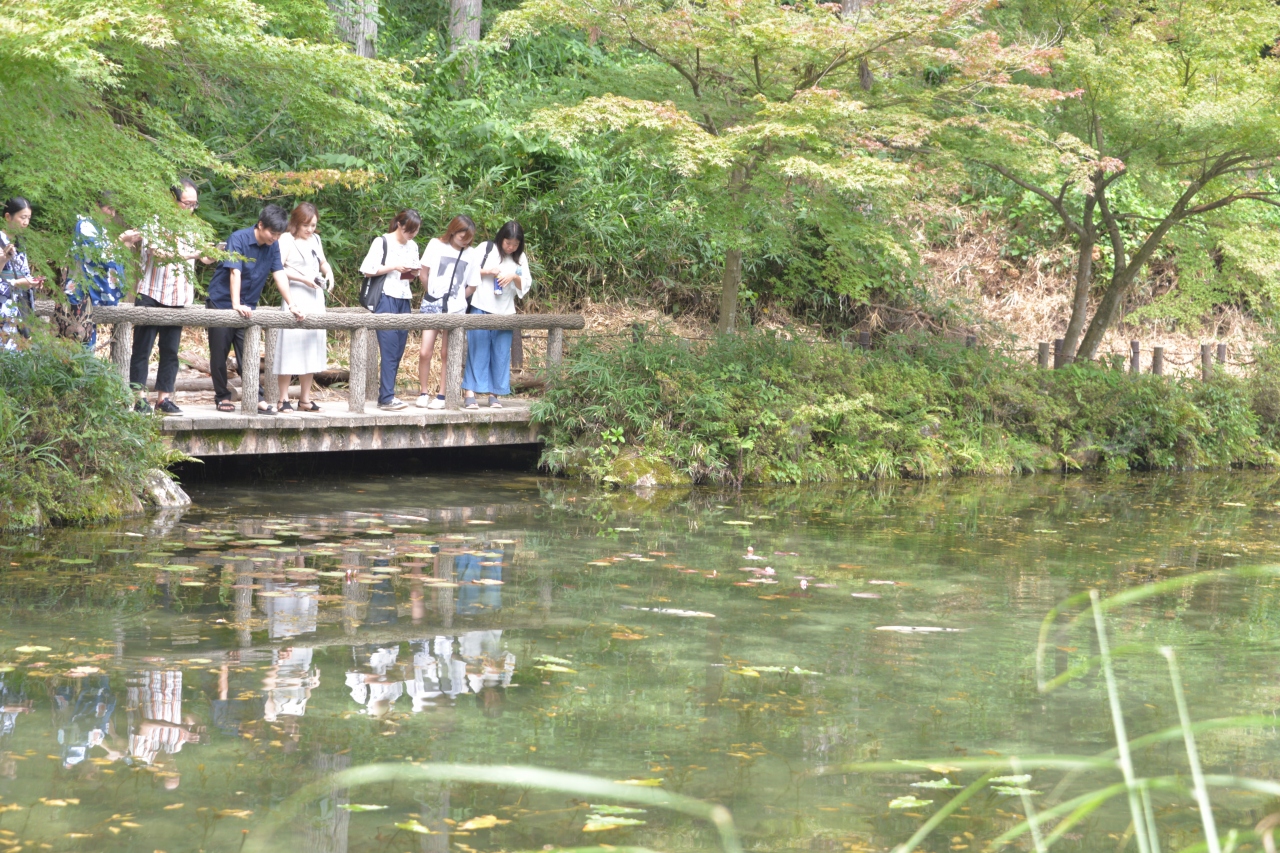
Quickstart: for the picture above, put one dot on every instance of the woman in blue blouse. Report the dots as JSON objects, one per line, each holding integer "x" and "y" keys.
{"x": 17, "y": 284}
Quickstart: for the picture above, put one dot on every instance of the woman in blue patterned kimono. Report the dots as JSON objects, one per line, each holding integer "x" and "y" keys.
{"x": 17, "y": 284}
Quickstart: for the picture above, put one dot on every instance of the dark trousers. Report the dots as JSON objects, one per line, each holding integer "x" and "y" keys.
{"x": 221, "y": 341}
{"x": 144, "y": 338}
{"x": 391, "y": 344}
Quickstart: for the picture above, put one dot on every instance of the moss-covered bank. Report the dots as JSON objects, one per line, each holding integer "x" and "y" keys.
{"x": 759, "y": 408}
{"x": 71, "y": 447}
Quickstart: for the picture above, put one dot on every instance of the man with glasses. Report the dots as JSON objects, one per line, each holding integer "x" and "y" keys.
{"x": 168, "y": 270}
{"x": 237, "y": 285}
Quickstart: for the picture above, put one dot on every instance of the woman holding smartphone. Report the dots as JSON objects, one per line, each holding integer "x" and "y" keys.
{"x": 302, "y": 352}
{"x": 449, "y": 272}
{"x": 17, "y": 284}
{"x": 504, "y": 276}
{"x": 394, "y": 255}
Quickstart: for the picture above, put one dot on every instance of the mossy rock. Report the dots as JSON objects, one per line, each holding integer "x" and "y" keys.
{"x": 638, "y": 470}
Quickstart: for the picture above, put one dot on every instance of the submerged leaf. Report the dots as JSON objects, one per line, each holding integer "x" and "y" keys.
{"x": 414, "y": 826}
{"x": 361, "y": 807}
{"x": 1010, "y": 780}
{"x": 601, "y": 823}
{"x": 943, "y": 784}
{"x": 608, "y": 809}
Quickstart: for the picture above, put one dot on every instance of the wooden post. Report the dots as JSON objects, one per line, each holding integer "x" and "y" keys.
{"x": 122, "y": 349}
{"x": 1135, "y": 357}
{"x": 269, "y": 384}
{"x": 453, "y": 368}
{"x": 555, "y": 348}
{"x": 637, "y": 332}
{"x": 1057, "y": 353}
{"x": 517, "y": 349}
{"x": 358, "y": 373}
{"x": 1157, "y": 361}
{"x": 970, "y": 341}
{"x": 1222, "y": 353}
{"x": 372, "y": 364}
{"x": 249, "y": 370}
{"x": 864, "y": 340}
{"x": 1043, "y": 357}
{"x": 1206, "y": 362}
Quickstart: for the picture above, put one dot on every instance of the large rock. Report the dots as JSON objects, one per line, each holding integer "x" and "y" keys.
{"x": 163, "y": 493}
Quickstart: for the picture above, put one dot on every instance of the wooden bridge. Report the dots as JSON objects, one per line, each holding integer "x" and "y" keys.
{"x": 204, "y": 431}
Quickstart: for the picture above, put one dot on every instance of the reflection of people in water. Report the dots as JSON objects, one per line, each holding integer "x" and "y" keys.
{"x": 371, "y": 683}
{"x": 438, "y": 672}
{"x": 291, "y": 609}
{"x": 82, "y": 711}
{"x": 478, "y": 597}
{"x": 13, "y": 701}
{"x": 289, "y": 683}
{"x": 157, "y": 728}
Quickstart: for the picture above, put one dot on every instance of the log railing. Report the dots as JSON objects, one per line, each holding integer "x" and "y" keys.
{"x": 364, "y": 343}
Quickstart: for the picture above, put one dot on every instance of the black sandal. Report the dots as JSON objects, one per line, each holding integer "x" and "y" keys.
{"x": 308, "y": 406}
{"x": 284, "y": 406}
{"x": 267, "y": 411}
{"x": 225, "y": 406}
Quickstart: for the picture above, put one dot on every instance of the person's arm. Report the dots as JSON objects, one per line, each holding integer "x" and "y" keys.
{"x": 288, "y": 252}
{"x": 524, "y": 281}
{"x": 373, "y": 265}
{"x": 281, "y": 279}
{"x": 233, "y": 282}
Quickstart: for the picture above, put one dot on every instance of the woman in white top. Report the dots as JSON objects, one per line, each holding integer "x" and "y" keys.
{"x": 395, "y": 255}
{"x": 504, "y": 276}
{"x": 449, "y": 271}
{"x": 302, "y": 352}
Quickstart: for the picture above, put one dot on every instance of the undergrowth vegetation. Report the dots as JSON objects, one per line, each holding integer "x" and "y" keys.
{"x": 72, "y": 448}
{"x": 758, "y": 408}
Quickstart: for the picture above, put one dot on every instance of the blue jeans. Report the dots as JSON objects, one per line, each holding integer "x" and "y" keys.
{"x": 391, "y": 347}
{"x": 488, "y": 367}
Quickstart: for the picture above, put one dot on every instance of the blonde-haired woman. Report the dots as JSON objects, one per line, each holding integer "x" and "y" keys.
{"x": 302, "y": 352}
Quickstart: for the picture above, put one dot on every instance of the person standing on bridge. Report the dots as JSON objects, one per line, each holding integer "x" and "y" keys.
{"x": 168, "y": 273}
{"x": 504, "y": 275}
{"x": 303, "y": 352}
{"x": 237, "y": 285}
{"x": 394, "y": 255}
{"x": 450, "y": 273}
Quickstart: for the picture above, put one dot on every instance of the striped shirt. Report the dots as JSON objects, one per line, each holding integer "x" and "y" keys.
{"x": 167, "y": 283}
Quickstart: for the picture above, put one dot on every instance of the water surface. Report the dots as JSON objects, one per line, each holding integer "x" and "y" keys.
{"x": 167, "y": 682}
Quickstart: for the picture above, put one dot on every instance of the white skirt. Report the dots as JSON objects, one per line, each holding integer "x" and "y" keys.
{"x": 300, "y": 351}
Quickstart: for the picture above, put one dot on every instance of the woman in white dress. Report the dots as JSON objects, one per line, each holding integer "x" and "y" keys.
{"x": 302, "y": 352}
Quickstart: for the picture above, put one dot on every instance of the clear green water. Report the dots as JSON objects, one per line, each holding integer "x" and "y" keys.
{"x": 315, "y": 629}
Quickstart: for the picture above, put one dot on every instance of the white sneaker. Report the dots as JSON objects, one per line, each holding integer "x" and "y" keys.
{"x": 395, "y": 405}
{"x": 436, "y": 403}
{"x": 424, "y": 401}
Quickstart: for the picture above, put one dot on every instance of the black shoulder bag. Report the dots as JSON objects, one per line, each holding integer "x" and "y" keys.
{"x": 371, "y": 290}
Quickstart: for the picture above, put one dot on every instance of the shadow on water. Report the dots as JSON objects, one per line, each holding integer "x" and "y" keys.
{"x": 170, "y": 681}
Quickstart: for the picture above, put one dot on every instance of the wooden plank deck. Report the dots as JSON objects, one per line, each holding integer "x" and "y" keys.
{"x": 201, "y": 430}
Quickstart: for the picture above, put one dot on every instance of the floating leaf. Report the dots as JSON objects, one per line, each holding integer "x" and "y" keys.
{"x": 483, "y": 822}
{"x": 75, "y": 561}
{"x": 908, "y": 802}
{"x": 26, "y": 650}
{"x": 414, "y": 826}
{"x": 943, "y": 784}
{"x": 613, "y": 810}
{"x": 910, "y": 629}
{"x": 1011, "y": 791}
{"x": 626, "y": 635}
{"x": 750, "y": 673}
{"x": 739, "y": 523}
{"x": 601, "y": 823}
{"x": 361, "y": 807}
{"x": 644, "y": 783}
{"x": 1010, "y": 780}
{"x": 551, "y": 667}
{"x": 553, "y": 659}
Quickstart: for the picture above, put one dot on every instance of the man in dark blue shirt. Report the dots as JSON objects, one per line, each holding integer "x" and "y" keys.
{"x": 237, "y": 285}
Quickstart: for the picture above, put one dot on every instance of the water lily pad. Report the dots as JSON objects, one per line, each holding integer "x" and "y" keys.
{"x": 908, "y": 802}
{"x": 1020, "y": 779}
{"x": 27, "y": 650}
{"x": 265, "y": 541}
{"x": 740, "y": 523}
{"x": 75, "y": 561}
{"x": 192, "y": 583}
{"x": 943, "y": 784}
{"x": 1014, "y": 791}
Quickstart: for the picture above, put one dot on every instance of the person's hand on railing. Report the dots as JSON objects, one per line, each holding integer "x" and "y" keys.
{"x": 296, "y": 312}
{"x": 243, "y": 310}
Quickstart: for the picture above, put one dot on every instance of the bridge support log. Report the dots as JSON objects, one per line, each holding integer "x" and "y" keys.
{"x": 358, "y": 373}
{"x": 122, "y": 347}
{"x": 453, "y": 368}
{"x": 373, "y": 367}
{"x": 271, "y": 340}
{"x": 249, "y": 370}
{"x": 555, "y": 348}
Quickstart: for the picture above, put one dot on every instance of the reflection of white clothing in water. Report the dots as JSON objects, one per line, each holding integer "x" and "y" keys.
{"x": 377, "y": 695}
{"x": 288, "y": 690}
{"x": 291, "y": 614}
{"x": 437, "y": 672}
{"x": 157, "y": 696}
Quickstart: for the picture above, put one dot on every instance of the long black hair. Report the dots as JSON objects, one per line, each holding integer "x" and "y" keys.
{"x": 15, "y": 205}
{"x": 510, "y": 231}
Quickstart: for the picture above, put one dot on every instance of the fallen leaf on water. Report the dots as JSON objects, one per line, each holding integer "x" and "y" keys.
{"x": 483, "y": 822}
{"x": 26, "y": 650}
{"x": 79, "y": 835}
{"x": 942, "y": 784}
{"x": 750, "y": 673}
{"x": 908, "y": 802}
{"x": 552, "y": 659}
{"x": 644, "y": 783}
{"x": 1014, "y": 791}
{"x": 864, "y": 595}
{"x": 81, "y": 671}
{"x": 626, "y": 635}
{"x": 613, "y": 810}
{"x": 361, "y": 807}
{"x": 944, "y": 769}
{"x": 668, "y": 611}
{"x": 1010, "y": 780}
{"x": 601, "y": 823}
{"x": 59, "y": 803}
{"x": 551, "y": 667}
{"x": 240, "y": 813}
{"x": 414, "y": 826}
{"x": 739, "y": 523}
{"x": 174, "y": 807}
{"x": 925, "y": 629}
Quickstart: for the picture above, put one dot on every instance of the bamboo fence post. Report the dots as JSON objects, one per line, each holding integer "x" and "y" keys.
{"x": 249, "y": 370}
{"x": 1222, "y": 353}
{"x": 122, "y": 349}
{"x": 357, "y": 373}
{"x": 1043, "y": 356}
{"x": 1157, "y": 361}
{"x": 271, "y": 339}
{"x": 517, "y": 350}
{"x": 372, "y": 367}
{"x": 864, "y": 340}
{"x": 1206, "y": 362}
{"x": 1057, "y": 353}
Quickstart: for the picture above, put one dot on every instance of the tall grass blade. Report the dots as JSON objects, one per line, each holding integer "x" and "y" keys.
{"x": 1028, "y": 809}
{"x": 941, "y": 814}
{"x": 516, "y": 777}
{"x": 1193, "y": 755}
{"x": 1150, "y": 815}
{"x": 1117, "y": 722}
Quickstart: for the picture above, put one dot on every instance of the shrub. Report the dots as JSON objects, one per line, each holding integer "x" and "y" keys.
{"x": 72, "y": 447}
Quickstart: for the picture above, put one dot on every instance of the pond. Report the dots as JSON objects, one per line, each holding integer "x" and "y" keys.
{"x": 169, "y": 683}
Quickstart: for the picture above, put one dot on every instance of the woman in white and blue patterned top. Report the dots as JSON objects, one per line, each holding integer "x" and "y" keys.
{"x": 17, "y": 284}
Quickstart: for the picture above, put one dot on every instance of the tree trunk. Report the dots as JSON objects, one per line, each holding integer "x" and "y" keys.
{"x": 357, "y": 22}
{"x": 1084, "y": 281}
{"x": 464, "y": 22}
{"x": 729, "y": 292}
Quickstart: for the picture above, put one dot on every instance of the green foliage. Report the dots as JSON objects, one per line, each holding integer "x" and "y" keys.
{"x": 768, "y": 410}
{"x": 73, "y": 448}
